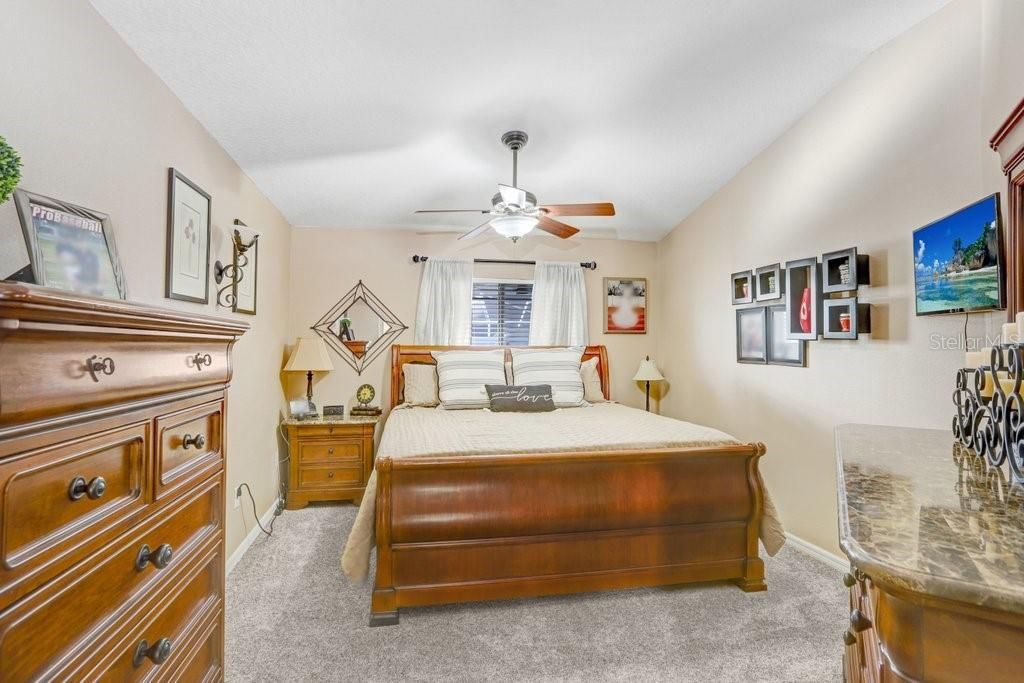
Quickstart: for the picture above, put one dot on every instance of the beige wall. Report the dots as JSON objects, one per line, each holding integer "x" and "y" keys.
{"x": 96, "y": 127}
{"x": 326, "y": 263}
{"x": 902, "y": 141}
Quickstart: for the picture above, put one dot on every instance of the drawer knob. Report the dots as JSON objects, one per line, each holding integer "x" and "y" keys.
{"x": 330, "y": 451}
{"x": 157, "y": 653}
{"x": 859, "y": 622}
{"x": 94, "y": 488}
{"x": 330, "y": 475}
{"x": 201, "y": 359}
{"x": 849, "y": 638}
{"x": 849, "y": 580}
{"x": 97, "y": 366}
{"x": 161, "y": 557}
{"x": 199, "y": 441}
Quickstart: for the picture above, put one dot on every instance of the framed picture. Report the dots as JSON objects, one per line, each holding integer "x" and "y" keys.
{"x": 70, "y": 247}
{"x": 245, "y": 285}
{"x": 751, "y": 335}
{"x": 625, "y": 305}
{"x": 781, "y": 349}
{"x": 188, "y": 240}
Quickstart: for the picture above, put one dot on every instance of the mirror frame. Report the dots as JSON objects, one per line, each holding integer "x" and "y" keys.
{"x": 395, "y": 327}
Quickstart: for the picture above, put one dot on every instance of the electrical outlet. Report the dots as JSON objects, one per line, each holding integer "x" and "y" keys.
{"x": 238, "y": 497}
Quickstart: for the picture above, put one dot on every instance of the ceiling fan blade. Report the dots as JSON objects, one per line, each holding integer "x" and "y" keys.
{"x": 555, "y": 228}
{"x": 453, "y": 211}
{"x": 475, "y": 231}
{"x": 512, "y": 195}
{"x": 599, "y": 209}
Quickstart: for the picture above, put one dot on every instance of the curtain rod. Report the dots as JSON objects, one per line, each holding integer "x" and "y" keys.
{"x": 589, "y": 265}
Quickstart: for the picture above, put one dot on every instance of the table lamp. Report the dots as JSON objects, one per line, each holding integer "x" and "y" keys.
{"x": 309, "y": 356}
{"x": 648, "y": 373}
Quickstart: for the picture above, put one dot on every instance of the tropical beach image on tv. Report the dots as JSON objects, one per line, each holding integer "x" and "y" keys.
{"x": 958, "y": 261}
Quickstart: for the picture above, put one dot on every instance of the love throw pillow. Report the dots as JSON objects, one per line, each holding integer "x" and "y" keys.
{"x": 513, "y": 399}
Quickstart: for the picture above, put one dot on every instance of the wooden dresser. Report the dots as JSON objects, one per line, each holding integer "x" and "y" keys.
{"x": 329, "y": 459}
{"x": 935, "y": 539}
{"x": 111, "y": 489}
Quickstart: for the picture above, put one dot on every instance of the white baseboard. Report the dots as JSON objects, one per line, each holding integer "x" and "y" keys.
{"x": 250, "y": 538}
{"x": 839, "y": 562}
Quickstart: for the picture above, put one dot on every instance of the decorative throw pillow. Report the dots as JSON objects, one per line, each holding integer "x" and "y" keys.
{"x": 462, "y": 375}
{"x": 558, "y": 367}
{"x": 513, "y": 399}
{"x": 591, "y": 382}
{"x": 420, "y": 384}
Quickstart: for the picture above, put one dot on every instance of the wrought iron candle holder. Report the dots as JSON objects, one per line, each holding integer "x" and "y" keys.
{"x": 992, "y": 425}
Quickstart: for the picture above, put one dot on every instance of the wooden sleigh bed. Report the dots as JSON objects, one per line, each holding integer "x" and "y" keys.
{"x": 482, "y": 527}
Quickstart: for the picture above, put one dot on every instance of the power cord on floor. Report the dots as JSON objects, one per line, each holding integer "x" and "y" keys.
{"x": 257, "y": 514}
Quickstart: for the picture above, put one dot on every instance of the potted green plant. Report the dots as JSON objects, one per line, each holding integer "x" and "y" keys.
{"x": 10, "y": 170}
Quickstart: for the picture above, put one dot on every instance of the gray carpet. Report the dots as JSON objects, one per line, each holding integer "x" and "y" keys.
{"x": 292, "y": 616}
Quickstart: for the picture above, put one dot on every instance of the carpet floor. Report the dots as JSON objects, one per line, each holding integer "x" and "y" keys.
{"x": 292, "y": 616}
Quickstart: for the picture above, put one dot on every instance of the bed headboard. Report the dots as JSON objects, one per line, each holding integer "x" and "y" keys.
{"x": 403, "y": 353}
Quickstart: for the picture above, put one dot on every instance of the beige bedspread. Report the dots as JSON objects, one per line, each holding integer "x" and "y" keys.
{"x": 411, "y": 432}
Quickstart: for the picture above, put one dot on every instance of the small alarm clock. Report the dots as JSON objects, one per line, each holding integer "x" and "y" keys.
{"x": 364, "y": 395}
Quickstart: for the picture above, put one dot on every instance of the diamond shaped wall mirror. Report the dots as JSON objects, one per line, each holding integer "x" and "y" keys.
{"x": 359, "y": 327}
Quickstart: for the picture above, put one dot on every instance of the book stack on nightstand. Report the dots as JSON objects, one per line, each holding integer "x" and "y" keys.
{"x": 331, "y": 458}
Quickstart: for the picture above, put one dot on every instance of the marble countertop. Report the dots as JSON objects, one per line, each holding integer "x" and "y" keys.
{"x": 918, "y": 511}
{"x": 335, "y": 420}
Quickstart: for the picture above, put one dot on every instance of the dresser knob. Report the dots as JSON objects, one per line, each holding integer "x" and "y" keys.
{"x": 199, "y": 360}
{"x": 157, "y": 653}
{"x": 96, "y": 366}
{"x": 849, "y": 580}
{"x": 849, "y": 638}
{"x": 199, "y": 441}
{"x": 859, "y": 622}
{"x": 330, "y": 475}
{"x": 94, "y": 488}
{"x": 161, "y": 557}
{"x": 330, "y": 451}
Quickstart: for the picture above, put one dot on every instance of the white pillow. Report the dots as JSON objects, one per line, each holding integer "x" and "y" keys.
{"x": 462, "y": 375}
{"x": 591, "y": 382}
{"x": 420, "y": 384}
{"x": 558, "y": 367}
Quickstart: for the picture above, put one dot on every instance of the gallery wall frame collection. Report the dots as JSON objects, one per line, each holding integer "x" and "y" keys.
{"x": 785, "y": 306}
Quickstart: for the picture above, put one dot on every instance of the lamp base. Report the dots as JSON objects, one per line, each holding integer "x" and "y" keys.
{"x": 648, "y": 406}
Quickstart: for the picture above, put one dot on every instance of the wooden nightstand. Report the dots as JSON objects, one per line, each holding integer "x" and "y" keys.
{"x": 330, "y": 459}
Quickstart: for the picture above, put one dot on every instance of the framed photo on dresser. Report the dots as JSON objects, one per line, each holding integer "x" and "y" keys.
{"x": 189, "y": 213}
{"x": 625, "y": 305}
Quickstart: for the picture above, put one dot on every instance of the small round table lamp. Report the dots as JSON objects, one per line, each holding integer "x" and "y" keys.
{"x": 309, "y": 356}
{"x": 648, "y": 373}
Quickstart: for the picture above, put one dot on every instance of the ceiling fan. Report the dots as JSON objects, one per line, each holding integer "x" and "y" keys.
{"x": 514, "y": 212}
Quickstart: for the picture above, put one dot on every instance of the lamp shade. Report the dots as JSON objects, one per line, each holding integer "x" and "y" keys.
{"x": 309, "y": 355}
{"x": 648, "y": 372}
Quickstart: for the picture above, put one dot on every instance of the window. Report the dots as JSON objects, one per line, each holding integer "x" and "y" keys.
{"x": 501, "y": 312}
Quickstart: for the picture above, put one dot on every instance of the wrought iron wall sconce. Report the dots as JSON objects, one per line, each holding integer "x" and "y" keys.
{"x": 233, "y": 272}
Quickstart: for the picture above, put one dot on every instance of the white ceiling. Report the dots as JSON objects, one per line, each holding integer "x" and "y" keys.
{"x": 354, "y": 114}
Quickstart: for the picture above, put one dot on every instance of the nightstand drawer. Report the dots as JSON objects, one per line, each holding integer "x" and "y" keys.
{"x": 330, "y": 476}
{"x": 335, "y": 450}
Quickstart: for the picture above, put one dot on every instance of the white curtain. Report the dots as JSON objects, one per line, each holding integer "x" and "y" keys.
{"x": 444, "y": 315}
{"x": 559, "y": 316}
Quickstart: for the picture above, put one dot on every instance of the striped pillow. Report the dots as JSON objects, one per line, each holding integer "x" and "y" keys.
{"x": 461, "y": 376}
{"x": 558, "y": 367}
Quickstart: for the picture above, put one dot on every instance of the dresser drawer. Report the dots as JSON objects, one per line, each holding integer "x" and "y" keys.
{"x": 51, "y": 626}
{"x": 331, "y": 451}
{"x": 202, "y": 660}
{"x": 44, "y": 372}
{"x": 330, "y": 476}
{"x": 56, "y": 498}
{"x": 188, "y": 446}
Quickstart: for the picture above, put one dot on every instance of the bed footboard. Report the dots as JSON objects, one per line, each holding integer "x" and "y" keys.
{"x": 467, "y": 528}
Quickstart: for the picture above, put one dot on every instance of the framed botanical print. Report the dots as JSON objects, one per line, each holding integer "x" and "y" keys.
{"x": 70, "y": 247}
{"x": 625, "y": 305}
{"x": 781, "y": 349}
{"x": 189, "y": 213}
{"x": 245, "y": 285}
{"x": 751, "y": 335}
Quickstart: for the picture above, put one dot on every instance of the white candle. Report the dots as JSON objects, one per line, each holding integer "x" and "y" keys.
{"x": 975, "y": 359}
{"x": 1020, "y": 325}
{"x": 1010, "y": 333}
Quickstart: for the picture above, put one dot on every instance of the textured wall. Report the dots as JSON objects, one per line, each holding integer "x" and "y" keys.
{"x": 901, "y": 142}
{"x": 96, "y": 127}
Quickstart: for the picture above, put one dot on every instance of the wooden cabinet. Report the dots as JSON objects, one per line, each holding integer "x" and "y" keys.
{"x": 111, "y": 489}
{"x": 330, "y": 459}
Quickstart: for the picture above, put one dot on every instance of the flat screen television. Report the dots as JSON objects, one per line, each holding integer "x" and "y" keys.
{"x": 958, "y": 261}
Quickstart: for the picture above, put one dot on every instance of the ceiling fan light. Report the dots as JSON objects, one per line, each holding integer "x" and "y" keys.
{"x": 513, "y": 227}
